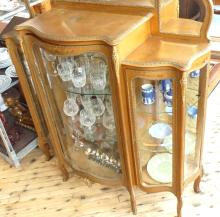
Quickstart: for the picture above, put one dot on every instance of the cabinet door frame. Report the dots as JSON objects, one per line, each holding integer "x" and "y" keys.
{"x": 153, "y": 73}
{"x": 29, "y": 42}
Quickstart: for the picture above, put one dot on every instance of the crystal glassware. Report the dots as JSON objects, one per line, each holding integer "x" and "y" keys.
{"x": 87, "y": 118}
{"x": 65, "y": 70}
{"x": 98, "y": 74}
{"x": 98, "y": 107}
{"x": 79, "y": 76}
{"x": 86, "y": 102}
{"x": 70, "y": 107}
{"x": 108, "y": 104}
{"x": 109, "y": 123}
{"x": 108, "y": 120}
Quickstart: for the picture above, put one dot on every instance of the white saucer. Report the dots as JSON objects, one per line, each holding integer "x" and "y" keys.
{"x": 5, "y": 60}
{"x": 160, "y": 130}
{"x": 11, "y": 72}
{"x": 9, "y": 6}
{"x": 159, "y": 167}
{"x": 5, "y": 82}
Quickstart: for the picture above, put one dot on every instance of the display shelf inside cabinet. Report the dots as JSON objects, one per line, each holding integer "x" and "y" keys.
{"x": 147, "y": 88}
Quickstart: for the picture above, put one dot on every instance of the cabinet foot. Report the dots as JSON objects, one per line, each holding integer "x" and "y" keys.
{"x": 133, "y": 201}
{"x": 196, "y": 185}
{"x": 179, "y": 206}
{"x": 65, "y": 173}
{"x": 44, "y": 147}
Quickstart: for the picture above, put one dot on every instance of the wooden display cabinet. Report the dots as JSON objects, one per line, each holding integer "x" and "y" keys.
{"x": 123, "y": 88}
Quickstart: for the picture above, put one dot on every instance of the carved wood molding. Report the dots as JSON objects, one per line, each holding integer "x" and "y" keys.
{"x": 183, "y": 84}
{"x": 115, "y": 59}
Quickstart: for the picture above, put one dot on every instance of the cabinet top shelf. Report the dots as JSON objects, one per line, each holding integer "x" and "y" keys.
{"x": 84, "y": 25}
{"x": 166, "y": 52}
{"x": 132, "y": 3}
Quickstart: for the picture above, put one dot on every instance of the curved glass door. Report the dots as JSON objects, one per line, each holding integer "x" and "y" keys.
{"x": 152, "y": 114}
{"x": 79, "y": 92}
{"x": 33, "y": 91}
{"x": 195, "y": 104}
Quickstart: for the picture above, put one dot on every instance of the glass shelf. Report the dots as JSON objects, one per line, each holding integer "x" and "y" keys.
{"x": 91, "y": 92}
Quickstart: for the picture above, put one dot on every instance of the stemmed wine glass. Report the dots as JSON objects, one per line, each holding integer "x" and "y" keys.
{"x": 79, "y": 74}
{"x": 64, "y": 69}
{"x": 98, "y": 74}
{"x": 98, "y": 107}
{"x": 109, "y": 123}
{"x": 86, "y": 102}
{"x": 70, "y": 107}
{"x": 87, "y": 119}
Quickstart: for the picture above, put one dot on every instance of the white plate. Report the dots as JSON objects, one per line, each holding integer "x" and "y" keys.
{"x": 5, "y": 82}
{"x": 189, "y": 146}
{"x": 159, "y": 167}
{"x": 6, "y": 63}
{"x": 160, "y": 130}
{"x": 11, "y": 72}
{"x": 8, "y": 5}
{"x": 3, "y": 53}
{"x": 5, "y": 60}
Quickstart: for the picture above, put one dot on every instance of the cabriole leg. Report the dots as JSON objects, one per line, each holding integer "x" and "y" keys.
{"x": 65, "y": 173}
{"x": 196, "y": 185}
{"x": 179, "y": 206}
{"x": 43, "y": 145}
{"x": 133, "y": 200}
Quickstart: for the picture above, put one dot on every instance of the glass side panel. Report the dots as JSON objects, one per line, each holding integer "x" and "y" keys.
{"x": 36, "y": 102}
{"x": 78, "y": 90}
{"x": 192, "y": 137}
{"x": 152, "y": 115}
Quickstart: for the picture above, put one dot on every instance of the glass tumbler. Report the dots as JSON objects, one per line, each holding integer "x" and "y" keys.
{"x": 70, "y": 107}
{"x": 64, "y": 70}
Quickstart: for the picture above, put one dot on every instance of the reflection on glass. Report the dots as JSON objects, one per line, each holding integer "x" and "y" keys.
{"x": 179, "y": 22}
{"x": 65, "y": 70}
{"x": 192, "y": 106}
{"x": 153, "y": 129}
{"x": 82, "y": 96}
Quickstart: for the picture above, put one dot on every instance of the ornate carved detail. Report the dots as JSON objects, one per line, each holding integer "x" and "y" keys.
{"x": 154, "y": 64}
{"x": 115, "y": 58}
{"x": 184, "y": 66}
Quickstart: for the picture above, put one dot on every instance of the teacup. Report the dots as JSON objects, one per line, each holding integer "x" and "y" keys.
{"x": 166, "y": 85}
{"x": 192, "y": 111}
{"x": 195, "y": 74}
{"x": 148, "y": 94}
{"x": 168, "y": 97}
{"x": 3, "y": 53}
